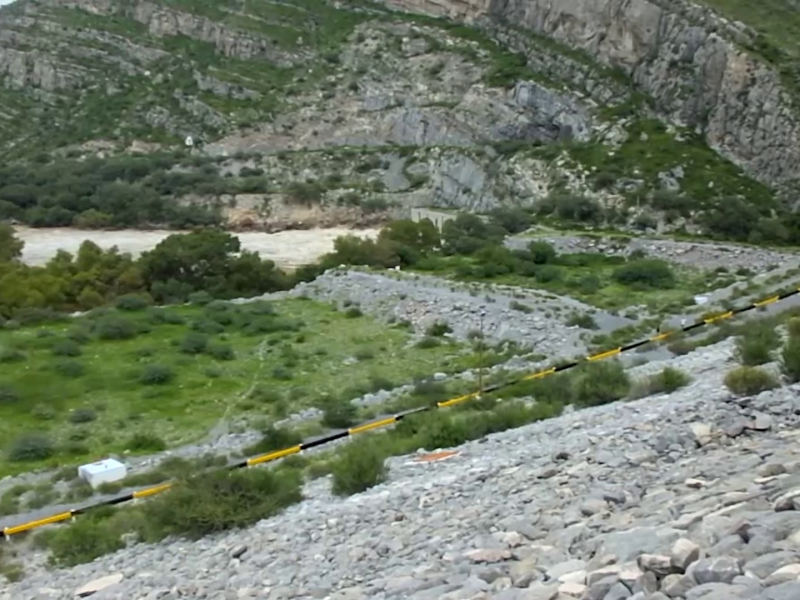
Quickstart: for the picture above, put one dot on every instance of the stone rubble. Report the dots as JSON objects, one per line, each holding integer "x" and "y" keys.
{"x": 424, "y": 300}
{"x": 708, "y": 256}
{"x": 693, "y": 495}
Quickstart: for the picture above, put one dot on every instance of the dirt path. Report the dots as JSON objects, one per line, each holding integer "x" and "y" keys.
{"x": 286, "y": 248}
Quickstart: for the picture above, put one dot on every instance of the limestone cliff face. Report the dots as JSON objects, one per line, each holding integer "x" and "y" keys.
{"x": 685, "y": 58}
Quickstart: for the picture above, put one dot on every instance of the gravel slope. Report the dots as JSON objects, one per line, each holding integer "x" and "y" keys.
{"x": 590, "y": 505}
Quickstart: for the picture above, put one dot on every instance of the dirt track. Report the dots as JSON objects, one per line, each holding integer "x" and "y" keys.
{"x": 286, "y": 248}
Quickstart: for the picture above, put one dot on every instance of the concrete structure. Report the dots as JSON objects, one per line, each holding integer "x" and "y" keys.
{"x": 104, "y": 471}
{"x": 437, "y": 217}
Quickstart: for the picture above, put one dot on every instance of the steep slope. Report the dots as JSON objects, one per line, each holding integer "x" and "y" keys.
{"x": 693, "y": 63}
{"x": 685, "y": 495}
{"x": 381, "y": 109}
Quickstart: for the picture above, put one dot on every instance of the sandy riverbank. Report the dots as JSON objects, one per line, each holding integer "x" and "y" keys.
{"x": 286, "y": 248}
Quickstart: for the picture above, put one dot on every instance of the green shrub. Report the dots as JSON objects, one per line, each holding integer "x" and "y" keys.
{"x": 790, "y": 358}
{"x": 274, "y": 438}
{"x": 8, "y": 395}
{"x": 30, "y": 447}
{"x": 11, "y": 355}
{"x": 207, "y": 326}
{"x": 10, "y": 569}
{"x": 112, "y": 327}
{"x": 353, "y": 312}
{"x": 600, "y": 383}
{"x": 160, "y": 316}
{"x": 141, "y": 441}
{"x": 445, "y": 432}
{"x": 70, "y": 368}
{"x": 220, "y": 500}
{"x": 646, "y": 273}
{"x": 201, "y": 298}
{"x": 523, "y": 308}
{"x": 193, "y": 343}
{"x": 793, "y": 327}
{"x": 665, "y": 382}
{"x": 358, "y": 467}
{"x": 542, "y": 253}
{"x": 428, "y": 342}
{"x": 133, "y": 302}
{"x": 748, "y": 381}
{"x": 438, "y": 329}
{"x": 67, "y": 347}
{"x": 756, "y": 345}
{"x": 339, "y": 414}
{"x": 83, "y": 540}
{"x": 156, "y": 375}
{"x": 79, "y": 335}
{"x": 681, "y": 347}
{"x": 82, "y": 415}
{"x": 43, "y": 412}
{"x": 222, "y": 352}
{"x": 282, "y": 374}
{"x": 265, "y": 394}
{"x": 582, "y": 320}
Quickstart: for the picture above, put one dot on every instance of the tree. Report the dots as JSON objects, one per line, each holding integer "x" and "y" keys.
{"x": 468, "y": 233}
{"x": 422, "y": 236}
{"x": 10, "y": 245}
{"x": 200, "y": 260}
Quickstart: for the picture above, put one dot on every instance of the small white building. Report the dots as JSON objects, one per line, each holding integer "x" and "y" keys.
{"x": 104, "y": 471}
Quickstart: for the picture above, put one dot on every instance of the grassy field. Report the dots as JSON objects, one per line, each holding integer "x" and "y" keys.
{"x": 143, "y": 379}
{"x": 592, "y": 278}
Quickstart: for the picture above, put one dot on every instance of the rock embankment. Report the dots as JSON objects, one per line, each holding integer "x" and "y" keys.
{"x": 423, "y": 301}
{"x": 706, "y": 256}
{"x": 693, "y": 495}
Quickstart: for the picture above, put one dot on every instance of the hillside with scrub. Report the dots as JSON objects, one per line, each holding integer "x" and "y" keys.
{"x": 349, "y": 113}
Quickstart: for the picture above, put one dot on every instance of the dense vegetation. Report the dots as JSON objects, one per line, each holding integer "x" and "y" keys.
{"x": 125, "y": 191}
{"x": 472, "y": 249}
{"x": 204, "y": 261}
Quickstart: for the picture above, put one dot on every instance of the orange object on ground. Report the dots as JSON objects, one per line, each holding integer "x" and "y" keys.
{"x": 436, "y": 456}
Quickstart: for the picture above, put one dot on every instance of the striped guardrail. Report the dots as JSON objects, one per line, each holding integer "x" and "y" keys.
{"x": 384, "y": 422}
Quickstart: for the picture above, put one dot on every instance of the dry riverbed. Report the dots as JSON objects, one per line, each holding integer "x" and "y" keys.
{"x": 287, "y": 248}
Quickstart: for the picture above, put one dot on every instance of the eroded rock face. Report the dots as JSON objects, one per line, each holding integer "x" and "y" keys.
{"x": 697, "y": 76}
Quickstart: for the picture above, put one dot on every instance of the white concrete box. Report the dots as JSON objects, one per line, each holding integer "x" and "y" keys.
{"x": 104, "y": 471}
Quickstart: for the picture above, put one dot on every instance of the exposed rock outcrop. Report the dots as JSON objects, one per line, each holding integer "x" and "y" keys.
{"x": 697, "y": 76}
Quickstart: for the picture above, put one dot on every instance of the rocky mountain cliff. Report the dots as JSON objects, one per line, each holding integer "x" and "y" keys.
{"x": 693, "y": 63}
{"x": 635, "y": 104}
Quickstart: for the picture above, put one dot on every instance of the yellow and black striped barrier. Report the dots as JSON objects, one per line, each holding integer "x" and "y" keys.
{"x": 372, "y": 425}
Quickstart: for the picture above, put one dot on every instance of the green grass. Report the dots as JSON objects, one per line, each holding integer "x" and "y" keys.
{"x": 590, "y": 279}
{"x": 651, "y": 149}
{"x": 778, "y": 25}
{"x": 778, "y": 19}
{"x": 284, "y": 362}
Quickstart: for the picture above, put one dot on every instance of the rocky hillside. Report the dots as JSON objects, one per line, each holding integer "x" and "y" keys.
{"x": 686, "y": 495}
{"x": 639, "y": 106}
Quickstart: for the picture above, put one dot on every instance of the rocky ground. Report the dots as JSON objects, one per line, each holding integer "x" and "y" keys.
{"x": 701, "y": 255}
{"x": 690, "y": 495}
{"x": 422, "y": 300}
